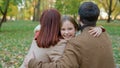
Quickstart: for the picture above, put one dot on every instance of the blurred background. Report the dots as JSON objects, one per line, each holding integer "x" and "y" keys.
{"x": 18, "y": 18}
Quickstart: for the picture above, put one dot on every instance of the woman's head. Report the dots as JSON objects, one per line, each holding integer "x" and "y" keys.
{"x": 50, "y": 26}
{"x": 68, "y": 27}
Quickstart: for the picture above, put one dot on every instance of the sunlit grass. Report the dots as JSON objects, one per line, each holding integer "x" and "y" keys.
{"x": 16, "y": 37}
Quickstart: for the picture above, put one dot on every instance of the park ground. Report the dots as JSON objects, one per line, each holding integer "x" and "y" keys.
{"x": 16, "y": 37}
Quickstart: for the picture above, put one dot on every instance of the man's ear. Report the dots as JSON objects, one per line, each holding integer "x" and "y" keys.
{"x": 78, "y": 18}
{"x": 79, "y": 21}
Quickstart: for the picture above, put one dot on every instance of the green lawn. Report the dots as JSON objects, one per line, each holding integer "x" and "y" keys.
{"x": 16, "y": 37}
{"x": 15, "y": 40}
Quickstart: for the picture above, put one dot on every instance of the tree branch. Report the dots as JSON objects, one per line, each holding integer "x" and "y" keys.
{"x": 114, "y": 6}
{"x": 1, "y": 11}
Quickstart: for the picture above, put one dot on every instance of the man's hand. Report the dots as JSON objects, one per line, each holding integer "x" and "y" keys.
{"x": 95, "y": 31}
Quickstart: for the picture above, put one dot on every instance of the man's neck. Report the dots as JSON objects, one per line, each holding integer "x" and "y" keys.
{"x": 82, "y": 27}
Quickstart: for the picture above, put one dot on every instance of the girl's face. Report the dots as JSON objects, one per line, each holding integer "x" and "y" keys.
{"x": 67, "y": 30}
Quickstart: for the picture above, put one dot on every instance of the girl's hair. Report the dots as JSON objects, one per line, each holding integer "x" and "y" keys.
{"x": 50, "y": 26}
{"x": 72, "y": 20}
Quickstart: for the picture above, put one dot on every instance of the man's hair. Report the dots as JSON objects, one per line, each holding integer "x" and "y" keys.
{"x": 89, "y": 13}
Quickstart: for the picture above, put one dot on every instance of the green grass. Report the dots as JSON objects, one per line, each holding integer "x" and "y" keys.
{"x": 16, "y": 37}
{"x": 15, "y": 40}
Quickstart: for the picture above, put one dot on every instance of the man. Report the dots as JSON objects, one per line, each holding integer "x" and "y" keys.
{"x": 84, "y": 51}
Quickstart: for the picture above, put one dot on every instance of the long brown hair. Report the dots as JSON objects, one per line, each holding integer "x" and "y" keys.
{"x": 50, "y": 26}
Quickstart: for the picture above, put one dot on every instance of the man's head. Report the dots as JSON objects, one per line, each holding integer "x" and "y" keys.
{"x": 88, "y": 13}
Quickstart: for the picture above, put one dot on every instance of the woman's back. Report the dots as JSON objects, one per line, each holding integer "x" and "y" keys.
{"x": 48, "y": 54}
{"x": 45, "y": 54}
{"x": 39, "y": 53}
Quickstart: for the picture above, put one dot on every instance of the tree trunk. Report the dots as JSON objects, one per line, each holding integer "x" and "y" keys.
{"x": 38, "y": 11}
{"x": 4, "y": 13}
{"x": 110, "y": 11}
{"x": 36, "y": 15}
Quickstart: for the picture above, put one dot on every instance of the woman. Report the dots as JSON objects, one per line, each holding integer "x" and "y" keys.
{"x": 47, "y": 38}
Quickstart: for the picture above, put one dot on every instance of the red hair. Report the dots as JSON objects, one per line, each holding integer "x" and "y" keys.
{"x": 50, "y": 28}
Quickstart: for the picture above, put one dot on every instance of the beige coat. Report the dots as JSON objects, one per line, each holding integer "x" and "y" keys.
{"x": 44, "y": 54}
{"x": 83, "y": 51}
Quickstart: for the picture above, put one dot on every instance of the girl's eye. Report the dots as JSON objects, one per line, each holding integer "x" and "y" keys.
{"x": 69, "y": 28}
{"x": 62, "y": 29}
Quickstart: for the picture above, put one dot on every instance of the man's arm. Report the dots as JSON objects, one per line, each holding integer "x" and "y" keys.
{"x": 70, "y": 59}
